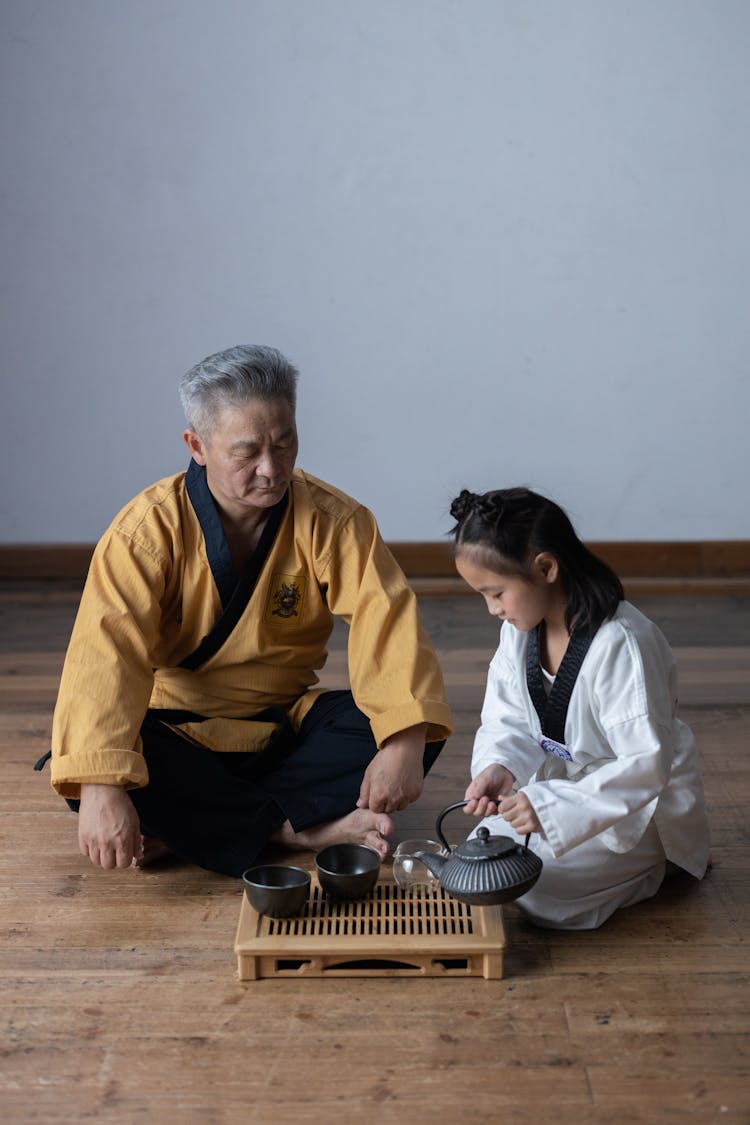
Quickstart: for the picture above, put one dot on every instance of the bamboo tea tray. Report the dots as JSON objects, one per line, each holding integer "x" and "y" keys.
{"x": 390, "y": 934}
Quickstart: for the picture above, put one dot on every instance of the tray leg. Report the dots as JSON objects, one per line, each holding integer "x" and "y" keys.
{"x": 492, "y": 966}
{"x": 247, "y": 967}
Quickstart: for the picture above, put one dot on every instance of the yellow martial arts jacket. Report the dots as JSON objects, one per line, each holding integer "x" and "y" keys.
{"x": 158, "y": 581}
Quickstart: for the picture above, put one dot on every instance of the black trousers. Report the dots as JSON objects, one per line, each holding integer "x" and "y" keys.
{"x": 219, "y": 810}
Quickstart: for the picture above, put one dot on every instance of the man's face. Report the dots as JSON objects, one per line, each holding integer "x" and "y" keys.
{"x": 249, "y": 456}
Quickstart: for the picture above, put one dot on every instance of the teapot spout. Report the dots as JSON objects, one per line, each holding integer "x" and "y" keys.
{"x": 432, "y": 861}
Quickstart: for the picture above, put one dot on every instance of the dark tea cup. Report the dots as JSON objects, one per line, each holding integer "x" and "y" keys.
{"x": 278, "y": 890}
{"x": 347, "y": 870}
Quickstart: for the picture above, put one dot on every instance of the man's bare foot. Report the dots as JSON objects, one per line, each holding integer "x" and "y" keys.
{"x": 359, "y": 827}
{"x": 152, "y": 850}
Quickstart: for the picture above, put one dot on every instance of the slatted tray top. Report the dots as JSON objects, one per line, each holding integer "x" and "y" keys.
{"x": 391, "y": 933}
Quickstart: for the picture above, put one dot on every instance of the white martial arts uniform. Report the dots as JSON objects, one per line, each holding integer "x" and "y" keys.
{"x": 625, "y": 792}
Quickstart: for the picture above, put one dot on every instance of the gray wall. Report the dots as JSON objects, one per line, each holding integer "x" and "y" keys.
{"x": 506, "y": 241}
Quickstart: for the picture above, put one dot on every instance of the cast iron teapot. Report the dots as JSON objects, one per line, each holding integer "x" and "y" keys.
{"x": 485, "y": 870}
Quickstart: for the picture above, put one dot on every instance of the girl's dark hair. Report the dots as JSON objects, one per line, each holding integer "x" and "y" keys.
{"x": 517, "y": 524}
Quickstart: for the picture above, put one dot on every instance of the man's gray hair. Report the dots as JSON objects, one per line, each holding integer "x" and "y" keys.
{"x": 234, "y": 376}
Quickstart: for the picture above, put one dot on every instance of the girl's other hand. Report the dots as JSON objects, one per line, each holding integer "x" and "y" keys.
{"x": 518, "y": 811}
{"x": 486, "y": 790}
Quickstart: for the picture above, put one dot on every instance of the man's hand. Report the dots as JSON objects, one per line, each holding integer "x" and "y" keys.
{"x": 395, "y": 776}
{"x": 485, "y": 791}
{"x": 109, "y": 831}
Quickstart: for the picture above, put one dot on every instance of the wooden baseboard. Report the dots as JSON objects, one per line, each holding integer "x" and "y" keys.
{"x": 700, "y": 567}
{"x": 701, "y": 559}
{"x": 687, "y": 568}
{"x": 45, "y": 560}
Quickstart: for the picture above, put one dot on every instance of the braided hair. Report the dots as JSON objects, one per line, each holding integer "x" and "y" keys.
{"x": 511, "y": 526}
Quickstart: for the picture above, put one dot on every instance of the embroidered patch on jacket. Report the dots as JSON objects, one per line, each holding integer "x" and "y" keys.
{"x": 286, "y": 597}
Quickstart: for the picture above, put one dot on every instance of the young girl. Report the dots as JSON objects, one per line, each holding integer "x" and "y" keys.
{"x": 579, "y": 743}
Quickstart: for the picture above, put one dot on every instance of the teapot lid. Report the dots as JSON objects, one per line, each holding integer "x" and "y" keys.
{"x": 484, "y": 846}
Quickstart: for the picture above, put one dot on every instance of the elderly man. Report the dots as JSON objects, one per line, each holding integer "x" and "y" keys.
{"x": 188, "y": 720}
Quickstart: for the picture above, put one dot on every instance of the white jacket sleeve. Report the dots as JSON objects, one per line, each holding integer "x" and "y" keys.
{"x": 505, "y": 737}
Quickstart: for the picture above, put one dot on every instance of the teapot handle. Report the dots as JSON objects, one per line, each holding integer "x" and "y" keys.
{"x": 444, "y": 813}
{"x": 438, "y": 825}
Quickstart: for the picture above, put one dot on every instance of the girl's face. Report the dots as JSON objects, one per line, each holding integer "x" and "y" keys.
{"x": 524, "y": 601}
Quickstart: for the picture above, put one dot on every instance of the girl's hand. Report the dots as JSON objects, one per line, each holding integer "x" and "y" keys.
{"x": 519, "y": 813}
{"x": 485, "y": 791}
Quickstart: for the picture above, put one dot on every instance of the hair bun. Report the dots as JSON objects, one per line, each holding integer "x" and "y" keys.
{"x": 464, "y": 504}
{"x": 491, "y": 507}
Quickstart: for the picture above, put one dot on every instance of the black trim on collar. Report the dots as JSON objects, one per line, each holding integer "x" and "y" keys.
{"x": 553, "y": 709}
{"x": 242, "y": 592}
{"x": 217, "y": 548}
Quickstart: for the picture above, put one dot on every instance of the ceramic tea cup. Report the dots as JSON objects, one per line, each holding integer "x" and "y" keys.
{"x": 277, "y": 889}
{"x": 347, "y": 870}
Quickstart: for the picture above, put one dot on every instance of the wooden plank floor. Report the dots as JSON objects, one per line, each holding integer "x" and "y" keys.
{"x": 120, "y": 1001}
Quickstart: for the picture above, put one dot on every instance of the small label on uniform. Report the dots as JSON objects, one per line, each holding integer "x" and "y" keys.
{"x": 551, "y": 747}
